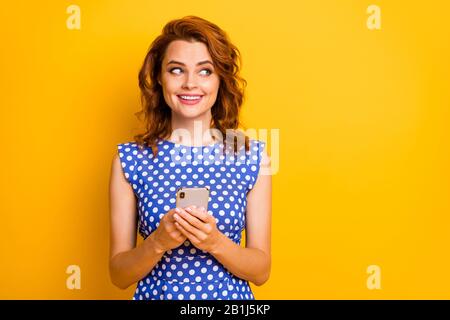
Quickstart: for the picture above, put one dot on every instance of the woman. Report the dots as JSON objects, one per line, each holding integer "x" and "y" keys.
{"x": 189, "y": 79}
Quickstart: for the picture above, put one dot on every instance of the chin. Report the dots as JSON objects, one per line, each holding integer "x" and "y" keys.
{"x": 190, "y": 112}
{"x": 189, "y": 115}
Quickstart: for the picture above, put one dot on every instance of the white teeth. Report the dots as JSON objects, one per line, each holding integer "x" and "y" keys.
{"x": 190, "y": 97}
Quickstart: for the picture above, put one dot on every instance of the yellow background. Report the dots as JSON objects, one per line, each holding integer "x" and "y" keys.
{"x": 364, "y": 139}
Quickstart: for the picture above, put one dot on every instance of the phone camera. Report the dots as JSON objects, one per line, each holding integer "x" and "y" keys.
{"x": 181, "y": 195}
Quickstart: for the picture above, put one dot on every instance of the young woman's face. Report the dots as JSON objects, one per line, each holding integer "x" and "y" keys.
{"x": 188, "y": 70}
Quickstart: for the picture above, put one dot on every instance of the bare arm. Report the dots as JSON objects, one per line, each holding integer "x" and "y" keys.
{"x": 128, "y": 263}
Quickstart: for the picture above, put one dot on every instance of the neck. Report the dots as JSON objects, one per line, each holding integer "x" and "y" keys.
{"x": 194, "y": 132}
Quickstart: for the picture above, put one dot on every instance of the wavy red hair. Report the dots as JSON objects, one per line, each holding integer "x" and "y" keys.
{"x": 227, "y": 62}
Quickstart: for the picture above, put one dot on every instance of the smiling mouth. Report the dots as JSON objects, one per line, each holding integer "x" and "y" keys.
{"x": 189, "y": 99}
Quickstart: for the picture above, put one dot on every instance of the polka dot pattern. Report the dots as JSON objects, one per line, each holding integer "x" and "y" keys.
{"x": 186, "y": 272}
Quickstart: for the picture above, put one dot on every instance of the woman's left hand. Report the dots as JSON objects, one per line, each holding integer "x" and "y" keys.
{"x": 198, "y": 226}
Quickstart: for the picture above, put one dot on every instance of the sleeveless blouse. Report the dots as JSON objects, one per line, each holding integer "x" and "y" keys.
{"x": 187, "y": 272}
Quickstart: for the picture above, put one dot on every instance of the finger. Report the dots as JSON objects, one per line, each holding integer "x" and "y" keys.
{"x": 170, "y": 227}
{"x": 170, "y": 215}
{"x": 194, "y": 221}
{"x": 180, "y": 236}
{"x": 168, "y": 224}
{"x": 186, "y": 225}
{"x": 200, "y": 214}
{"x": 186, "y": 233}
{"x": 175, "y": 233}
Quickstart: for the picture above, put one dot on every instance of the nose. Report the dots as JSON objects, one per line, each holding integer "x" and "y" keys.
{"x": 189, "y": 81}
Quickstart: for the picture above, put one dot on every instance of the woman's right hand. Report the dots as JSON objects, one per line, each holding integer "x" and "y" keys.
{"x": 167, "y": 236}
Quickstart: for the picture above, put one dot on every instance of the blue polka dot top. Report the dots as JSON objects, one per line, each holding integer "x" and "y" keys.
{"x": 186, "y": 272}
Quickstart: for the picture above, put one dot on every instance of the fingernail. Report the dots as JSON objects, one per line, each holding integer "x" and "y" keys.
{"x": 188, "y": 209}
{"x": 177, "y": 210}
{"x": 201, "y": 208}
{"x": 175, "y": 216}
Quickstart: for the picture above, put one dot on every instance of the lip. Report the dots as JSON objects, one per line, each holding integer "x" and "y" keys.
{"x": 189, "y": 102}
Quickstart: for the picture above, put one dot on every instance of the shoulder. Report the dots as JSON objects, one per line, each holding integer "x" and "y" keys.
{"x": 126, "y": 158}
{"x": 127, "y": 153}
{"x": 127, "y": 146}
{"x": 260, "y": 155}
{"x": 131, "y": 149}
{"x": 260, "y": 148}
{"x": 265, "y": 159}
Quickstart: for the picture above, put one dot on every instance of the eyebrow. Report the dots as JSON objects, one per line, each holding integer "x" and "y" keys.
{"x": 181, "y": 63}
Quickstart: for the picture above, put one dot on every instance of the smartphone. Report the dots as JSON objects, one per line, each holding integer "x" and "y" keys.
{"x": 188, "y": 196}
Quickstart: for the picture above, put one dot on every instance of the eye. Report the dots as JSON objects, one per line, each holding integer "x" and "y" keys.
{"x": 174, "y": 69}
{"x": 209, "y": 71}
{"x": 177, "y": 68}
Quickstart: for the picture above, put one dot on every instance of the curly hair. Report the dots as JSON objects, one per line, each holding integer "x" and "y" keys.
{"x": 227, "y": 61}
